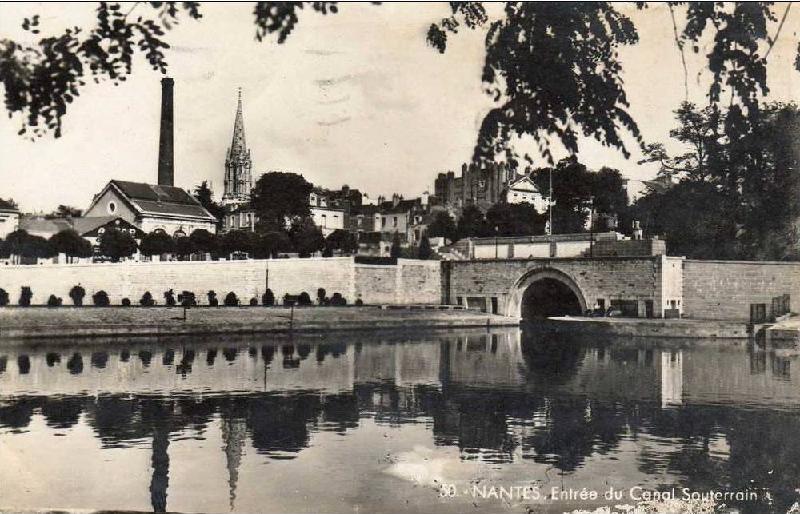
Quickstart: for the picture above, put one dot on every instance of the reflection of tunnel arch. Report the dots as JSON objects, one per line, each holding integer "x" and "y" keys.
{"x": 545, "y": 292}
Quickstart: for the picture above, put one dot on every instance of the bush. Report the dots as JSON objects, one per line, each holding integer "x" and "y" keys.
{"x": 126, "y": 302}
{"x": 147, "y": 300}
{"x": 100, "y": 299}
{"x": 338, "y": 300}
{"x": 25, "y": 296}
{"x": 187, "y": 299}
{"x": 212, "y": 298}
{"x": 304, "y": 299}
{"x": 169, "y": 298}
{"x": 253, "y": 302}
{"x": 231, "y": 300}
{"x": 53, "y": 301}
{"x": 77, "y": 293}
{"x": 268, "y": 298}
{"x": 321, "y": 296}
{"x": 359, "y": 302}
{"x": 3, "y": 297}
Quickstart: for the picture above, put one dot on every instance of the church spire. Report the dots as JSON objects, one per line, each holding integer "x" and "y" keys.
{"x": 238, "y": 144}
{"x": 238, "y": 165}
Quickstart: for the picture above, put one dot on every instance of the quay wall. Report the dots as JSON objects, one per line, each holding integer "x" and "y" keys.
{"x": 405, "y": 283}
{"x": 724, "y": 290}
{"x": 610, "y": 278}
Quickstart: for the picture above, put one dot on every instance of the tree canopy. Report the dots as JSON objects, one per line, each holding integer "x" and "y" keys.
{"x": 280, "y": 198}
{"x": 552, "y": 69}
{"x": 71, "y": 243}
{"x": 117, "y": 244}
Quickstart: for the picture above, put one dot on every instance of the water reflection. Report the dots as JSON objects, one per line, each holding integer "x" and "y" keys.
{"x": 703, "y": 415}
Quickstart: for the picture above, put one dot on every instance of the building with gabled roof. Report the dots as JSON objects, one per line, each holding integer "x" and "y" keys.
{"x": 152, "y": 207}
{"x": 9, "y": 218}
{"x": 524, "y": 190}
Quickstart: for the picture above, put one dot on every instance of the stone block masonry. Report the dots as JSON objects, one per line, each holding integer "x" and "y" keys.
{"x": 725, "y": 289}
{"x": 611, "y": 278}
{"x": 407, "y": 282}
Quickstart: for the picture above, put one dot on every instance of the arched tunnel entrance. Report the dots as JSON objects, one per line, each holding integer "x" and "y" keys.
{"x": 547, "y": 297}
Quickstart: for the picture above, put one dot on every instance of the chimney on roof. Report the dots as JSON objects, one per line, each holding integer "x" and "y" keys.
{"x": 166, "y": 142}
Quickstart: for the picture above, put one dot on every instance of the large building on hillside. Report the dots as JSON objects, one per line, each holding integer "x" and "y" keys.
{"x": 486, "y": 186}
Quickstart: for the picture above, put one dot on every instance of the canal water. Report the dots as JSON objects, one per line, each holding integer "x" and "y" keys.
{"x": 463, "y": 421}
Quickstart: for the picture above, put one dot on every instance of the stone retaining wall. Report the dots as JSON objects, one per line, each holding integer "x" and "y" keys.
{"x": 407, "y": 282}
{"x": 725, "y": 289}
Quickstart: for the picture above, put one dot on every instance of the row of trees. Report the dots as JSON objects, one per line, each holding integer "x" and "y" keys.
{"x": 304, "y": 239}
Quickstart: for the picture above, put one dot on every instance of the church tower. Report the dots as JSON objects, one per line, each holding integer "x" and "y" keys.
{"x": 238, "y": 165}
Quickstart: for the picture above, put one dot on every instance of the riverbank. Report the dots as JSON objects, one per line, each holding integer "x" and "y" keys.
{"x": 645, "y": 327}
{"x": 72, "y": 322}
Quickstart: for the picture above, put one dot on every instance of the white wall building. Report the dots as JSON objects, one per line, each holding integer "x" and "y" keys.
{"x": 152, "y": 208}
{"x": 523, "y": 190}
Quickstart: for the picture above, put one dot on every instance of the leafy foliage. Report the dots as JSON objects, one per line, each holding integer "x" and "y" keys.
{"x": 342, "y": 241}
{"x": 205, "y": 196}
{"x": 306, "y": 237}
{"x": 71, "y": 243}
{"x": 100, "y": 299}
{"x": 117, "y": 244}
{"x": 396, "y": 250}
{"x": 424, "y": 252}
{"x": 157, "y": 243}
{"x": 577, "y": 190}
{"x": 42, "y": 79}
{"x": 23, "y": 244}
{"x": 744, "y": 182}
{"x": 519, "y": 219}
{"x": 65, "y": 211}
{"x": 76, "y": 294}
{"x": 25, "y": 296}
{"x": 554, "y": 72}
{"x": 472, "y": 223}
{"x": 443, "y": 226}
{"x": 280, "y": 198}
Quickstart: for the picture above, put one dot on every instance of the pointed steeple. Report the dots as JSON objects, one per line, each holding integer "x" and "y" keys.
{"x": 238, "y": 165}
{"x": 238, "y": 144}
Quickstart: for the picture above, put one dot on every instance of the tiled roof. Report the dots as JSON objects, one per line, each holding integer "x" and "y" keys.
{"x": 166, "y": 200}
{"x": 88, "y": 226}
{"x": 41, "y": 225}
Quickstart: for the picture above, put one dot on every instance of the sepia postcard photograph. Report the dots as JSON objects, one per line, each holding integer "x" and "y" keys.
{"x": 400, "y": 257}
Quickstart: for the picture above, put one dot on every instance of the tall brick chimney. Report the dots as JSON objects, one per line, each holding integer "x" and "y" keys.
{"x": 166, "y": 142}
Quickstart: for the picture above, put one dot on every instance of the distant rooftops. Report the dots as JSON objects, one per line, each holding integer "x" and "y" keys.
{"x": 6, "y": 206}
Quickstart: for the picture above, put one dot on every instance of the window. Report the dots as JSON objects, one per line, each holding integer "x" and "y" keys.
{"x": 101, "y": 231}
{"x": 394, "y": 221}
{"x": 112, "y": 207}
{"x": 360, "y": 221}
{"x": 383, "y": 222}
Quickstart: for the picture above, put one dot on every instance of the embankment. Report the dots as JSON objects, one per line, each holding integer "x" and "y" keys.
{"x": 42, "y": 323}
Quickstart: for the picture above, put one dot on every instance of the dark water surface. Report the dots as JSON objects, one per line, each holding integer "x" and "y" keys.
{"x": 371, "y": 423}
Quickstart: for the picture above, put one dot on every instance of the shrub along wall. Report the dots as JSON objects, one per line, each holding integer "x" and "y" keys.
{"x": 413, "y": 281}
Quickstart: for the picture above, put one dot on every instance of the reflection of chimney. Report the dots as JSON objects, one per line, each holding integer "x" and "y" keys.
{"x": 166, "y": 143}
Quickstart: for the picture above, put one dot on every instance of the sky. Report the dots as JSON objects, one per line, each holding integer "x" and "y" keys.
{"x": 355, "y": 98}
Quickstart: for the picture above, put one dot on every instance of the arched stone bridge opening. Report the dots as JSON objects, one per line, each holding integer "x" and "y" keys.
{"x": 542, "y": 287}
{"x": 545, "y": 292}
